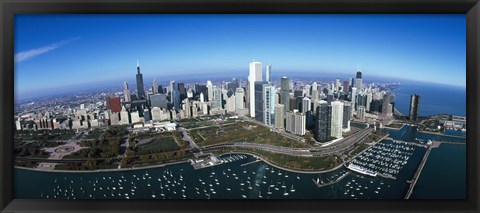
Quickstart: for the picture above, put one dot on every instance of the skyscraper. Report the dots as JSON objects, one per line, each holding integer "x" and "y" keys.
{"x": 306, "y": 104}
{"x": 140, "y": 88}
{"x": 337, "y": 85}
{"x": 210, "y": 91}
{"x": 126, "y": 92}
{"x": 346, "y": 86}
{"x": 155, "y": 86}
{"x": 285, "y": 93}
{"x": 259, "y": 101}
{"x": 268, "y": 73}
{"x": 217, "y": 98}
{"x": 254, "y": 75}
{"x": 279, "y": 116}
{"x": 347, "y": 115}
{"x": 337, "y": 119}
{"x": 358, "y": 81}
{"x": 269, "y": 105}
{"x": 113, "y": 103}
{"x": 323, "y": 116}
{"x": 414, "y": 107}
{"x": 353, "y": 97}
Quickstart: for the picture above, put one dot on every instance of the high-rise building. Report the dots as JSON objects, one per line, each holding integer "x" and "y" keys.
{"x": 230, "y": 101}
{"x": 140, "y": 88}
{"x": 175, "y": 95}
{"x": 259, "y": 101}
{"x": 155, "y": 86}
{"x": 296, "y": 122}
{"x": 124, "y": 118}
{"x": 306, "y": 104}
{"x": 337, "y": 119}
{"x": 159, "y": 100}
{"x": 268, "y": 73}
{"x": 210, "y": 91}
{"x": 217, "y": 98}
{"x": 202, "y": 97}
{"x": 387, "y": 107}
{"x": 414, "y": 107}
{"x": 361, "y": 112}
{"x": 285, "y": 93}
{"x": 353, "y": 97}
{"x": 279, "y": 116}
{"x": 346, "y": 87}
{"x": 323, "y": 116}
{"x": 369, "y": 101}
{"x": 358, "y": 81}
{"x": 347, "y": 116}
{"x": 269, "y": 93}
{"x": 239, "y": 96}
{"x": 337, "y": 85}
{"x": 254, "y": 75}
{"x": 113, "y": 103}
{"x": 126, "y": 92}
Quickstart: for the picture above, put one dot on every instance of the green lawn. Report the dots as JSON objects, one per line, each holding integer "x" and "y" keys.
{"x": 159, "y": 144}
{"x": 242, "y": 132}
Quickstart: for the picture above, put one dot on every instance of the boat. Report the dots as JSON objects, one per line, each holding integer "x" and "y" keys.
{"x": 292, "y": 189}
{"x": 361, "y": 170}
{"x": 285, "y": 193}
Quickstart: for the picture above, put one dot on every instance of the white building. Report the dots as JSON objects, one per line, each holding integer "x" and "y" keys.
{"x": 296, "y": 122}
{"x": 255, "y": 75}
{"x": 337, "y": 119}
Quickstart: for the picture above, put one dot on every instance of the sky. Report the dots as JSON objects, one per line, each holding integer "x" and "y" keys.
{"x": 55, "y": 51}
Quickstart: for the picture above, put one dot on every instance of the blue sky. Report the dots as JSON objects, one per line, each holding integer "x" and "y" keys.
{"x": 63, "y": 50}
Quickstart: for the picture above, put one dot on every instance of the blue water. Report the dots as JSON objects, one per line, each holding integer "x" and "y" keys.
{"x": 444, "y": 174}
{"x": 434, "y": 98}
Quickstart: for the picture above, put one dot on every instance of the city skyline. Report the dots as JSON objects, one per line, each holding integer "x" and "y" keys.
{"x": 80, "y": 52}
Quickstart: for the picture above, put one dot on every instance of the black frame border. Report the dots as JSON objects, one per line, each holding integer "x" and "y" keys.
{"x": 8, "y": 8}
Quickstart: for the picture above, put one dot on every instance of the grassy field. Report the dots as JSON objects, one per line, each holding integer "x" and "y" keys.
{"x": 292, "y": 162}
{"x": 241, "y": 132}
{"x": 159, "y": 144}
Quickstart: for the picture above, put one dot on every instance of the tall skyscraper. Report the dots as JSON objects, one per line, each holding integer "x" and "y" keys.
{"x": 414, "y": 107}
{"x": 323, "y": 116}
{"x": 239, "y": 96}
{"x": 337, "y": 119}
{"x": 155, "y": 86}
{"x": 126, "y": 92}
{"x": 337, "y": 85}
{"x": 285, "y": 93}
{"x": 140, "y": 88}
{"x": 268, "y": 73}
{"x": 259, "y": 101}
{"x": 353, "y": 97}
{"x": 347, "y": 115}
{"x": 346, "y": 87}
{"x": 358, "y": 81}
{"x": 255, "y": 75}
{"x": 217, "y": 98}
{"x": 269, "y": 105}
{"x": 306, "y": 104}
{"x": 279, "y": 116}
{"x": 361, "y": 112}
{"x": 210, "y": 91}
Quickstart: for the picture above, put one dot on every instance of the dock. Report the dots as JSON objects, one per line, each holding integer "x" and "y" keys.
{"x": 318, "y": 184}
{"x": 245, "y": 164}
{"x": 417, "y": 173}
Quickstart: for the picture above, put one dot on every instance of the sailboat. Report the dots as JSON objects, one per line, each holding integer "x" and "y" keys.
{"x": 285, "y": 193}
{"x": 292, "y": 189}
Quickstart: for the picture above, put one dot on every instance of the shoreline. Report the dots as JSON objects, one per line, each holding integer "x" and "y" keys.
{"x": 179, "y": 162}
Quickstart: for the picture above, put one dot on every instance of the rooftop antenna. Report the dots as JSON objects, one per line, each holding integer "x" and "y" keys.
{"x": 138, "y": 63}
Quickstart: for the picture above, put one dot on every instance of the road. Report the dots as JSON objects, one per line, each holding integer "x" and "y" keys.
{"x": 190, "y": 141}
{"x": 336, "y": 148}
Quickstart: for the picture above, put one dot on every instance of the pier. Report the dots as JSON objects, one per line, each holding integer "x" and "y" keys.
{"x": 417, "y": 173}
{"x": 245, "y": 164}
{"x": 318, "y": 184}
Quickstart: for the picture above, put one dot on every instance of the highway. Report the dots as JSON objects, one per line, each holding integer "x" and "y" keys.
{"x": 336, "y": 148}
